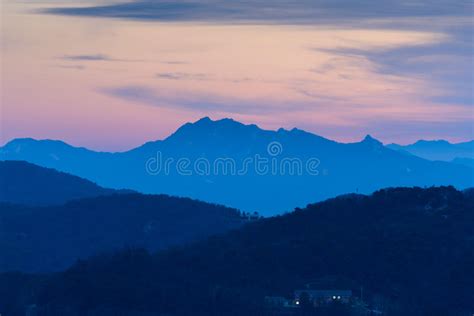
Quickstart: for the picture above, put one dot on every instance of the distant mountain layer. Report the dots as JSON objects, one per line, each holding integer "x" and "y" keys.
{"x": 464, "y": 161}
{"x": 410, "y": 249}
{"x": 243, "y": 166}
{"x": 25, "y": 183}
{"x": 437, "y": 149}
{"x": 39, "y": 239}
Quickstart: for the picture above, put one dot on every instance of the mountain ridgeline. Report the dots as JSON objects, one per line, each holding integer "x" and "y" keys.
{"x": 410, "y": 249}
{"x": 25, "y": 183}
{"x": 51, "y": 238}
{"x": 223, "y": 161}
{"x": 438, "y": 150}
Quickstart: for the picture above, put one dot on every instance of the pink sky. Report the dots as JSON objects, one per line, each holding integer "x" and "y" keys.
{"x": 111, "y": 84}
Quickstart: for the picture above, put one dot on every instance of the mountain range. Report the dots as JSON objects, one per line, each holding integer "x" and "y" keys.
{"x": 28, "y": 184}
{"x": 438, "y": 150}
{"x": 217, "y": 161}
{"x": 410, "y": 250}
{"x": 51, "y": 238}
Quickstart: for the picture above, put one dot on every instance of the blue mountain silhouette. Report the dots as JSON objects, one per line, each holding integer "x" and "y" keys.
{"x": 53, "y": 237}
{"x": 438, "y": 149}
{"x": 338, "y": 167}
{"x": 25, "y": 183}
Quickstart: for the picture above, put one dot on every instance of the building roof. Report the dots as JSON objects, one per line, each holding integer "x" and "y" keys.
{"x": 324, "y": 293}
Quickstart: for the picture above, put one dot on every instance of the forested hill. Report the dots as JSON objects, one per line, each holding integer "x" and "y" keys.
{"x": 411, "y": 248}
{"x": 24, "y": 183}
{"x": 51, "y": 238}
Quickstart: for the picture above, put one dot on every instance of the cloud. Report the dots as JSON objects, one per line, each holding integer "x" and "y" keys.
{"x": 440, "y": 58}
{"x": 327, "y": 107}
{"x": 76, "y": 67}
{"x": 195, "y": 101}
{"x": 182, "y": 76}
{"x": 175, "y": 62}
{"x": 429, "y": 40}
{"x": 96, "y": 57}
{"x": 277, "y": 11}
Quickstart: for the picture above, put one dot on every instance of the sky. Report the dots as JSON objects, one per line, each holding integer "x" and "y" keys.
{"x": 111, "y": 75}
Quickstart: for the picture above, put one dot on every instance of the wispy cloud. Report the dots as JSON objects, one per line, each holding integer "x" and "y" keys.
{"x": 75, "y": 67}
{"x": 281, "y": 11}
{"x": 443, "y": 60}
{"x": 182, "y": 76}
{"x": 94, "y": 57}
{"x": 175, "y": 62}
{"x": 194, "y": 101}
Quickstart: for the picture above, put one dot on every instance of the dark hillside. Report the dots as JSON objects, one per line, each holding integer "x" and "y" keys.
{"x": 24, "y": 183}
{"x": 410, "y": 248}
{"x": 41, "y": 239}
